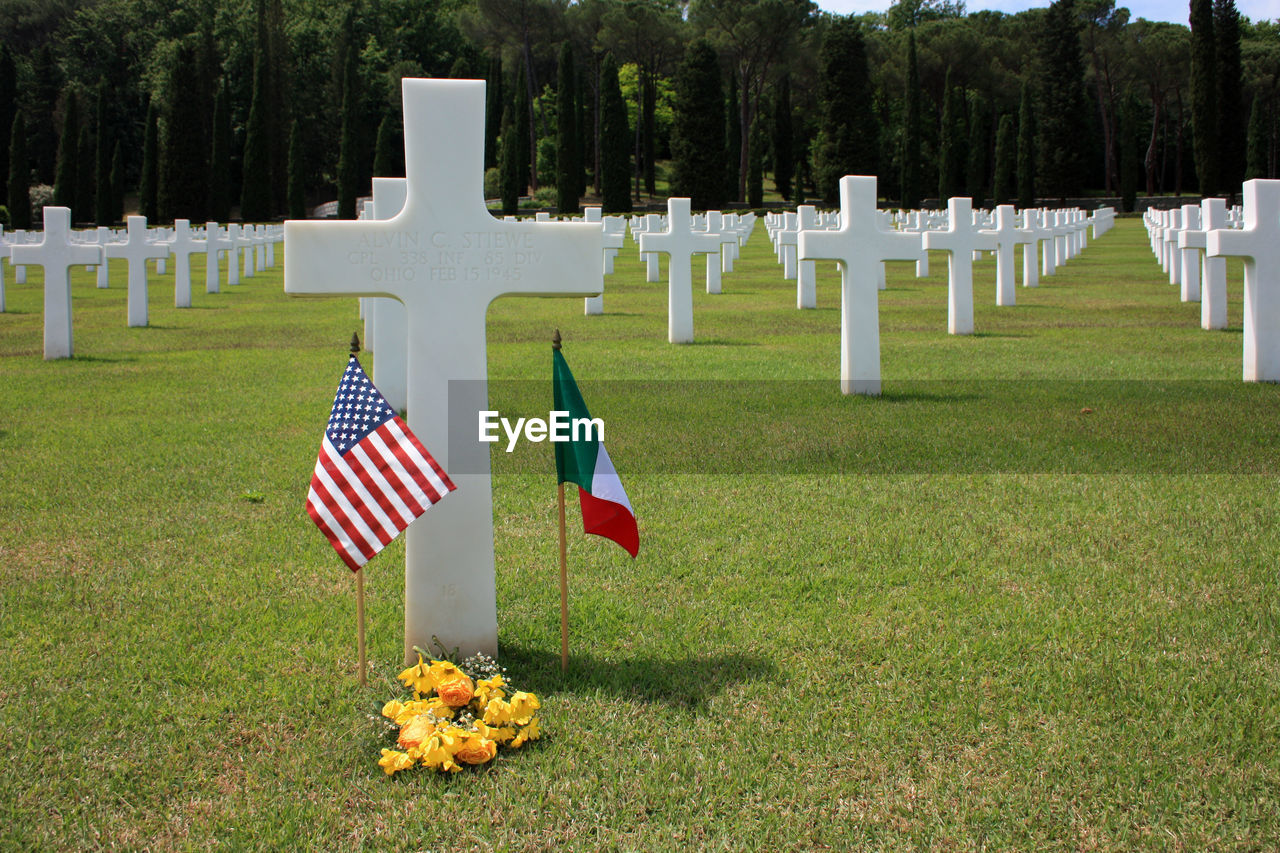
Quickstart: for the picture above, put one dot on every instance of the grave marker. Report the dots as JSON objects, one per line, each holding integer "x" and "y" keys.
{"x": 57, "y": 254}
{"x": 1258, "y": 243}
{"x": 137, "y": 249}
{"x": 446, "y": 259}
{"x": 959, "y": 240}
{"x": 679, "y": 243}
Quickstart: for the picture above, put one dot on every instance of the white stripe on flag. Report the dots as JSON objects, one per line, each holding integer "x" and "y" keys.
{"x": 351, "y": 477}
{"x": 604, "y": 480}
{"x": 357, "y": 523}
{"x": 426, "y": 466}
{"x": 410, "y": 486}
{"x": 334, "y": 528}
{"x": 388, "y": 496}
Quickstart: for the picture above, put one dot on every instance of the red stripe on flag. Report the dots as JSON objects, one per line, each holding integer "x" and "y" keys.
{"x": 371, "y": 474}
{"x": 408, "y": 436}
{"x": 344, "y": 522}
{"x": 344, "y": 476}
{"x": 391, "y": 472}
{"x": 409, "y": 469}
{"x": 610, "y": 520}
{"x": 334, "y": 536}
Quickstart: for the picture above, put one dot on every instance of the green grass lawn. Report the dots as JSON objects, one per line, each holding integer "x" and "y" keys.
{"x": 967, "y": 614}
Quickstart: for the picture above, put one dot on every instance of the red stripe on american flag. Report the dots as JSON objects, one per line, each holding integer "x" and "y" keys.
{"x": 318, "y": 514}
{"x": 353, "y": 536}
{"x": 392, "y": 473}
{"x": 346, "y": 478}
{"x": 441, "y": 477}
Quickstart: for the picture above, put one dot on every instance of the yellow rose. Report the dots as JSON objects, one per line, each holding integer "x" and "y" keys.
{"x": 416, "y": 731}
{"x": 456, "y": 692}
{"x": 476, "y": 750}
{"x": 393, "y": 762}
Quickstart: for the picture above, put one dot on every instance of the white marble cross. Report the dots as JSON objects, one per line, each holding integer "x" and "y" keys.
{"x": 183, "y": 244}
{"x": 233, "y": 254}
{"x": 1188, "y": 256}
{"x": 613, "y": 241}
{"x": 652, "y": 225}
{"x": 806, "y": 271}
{"x": 1213, "y": 271}
{"x": 103, "y": 236}
{"x": 1006, "y": 237}
{"x": 715, "y": 225}
{"x": 679, "y": 243}
{"x": 447, "y": 260}
{"x": 959, "y": 240}
{"x": 137, "y": 249}
{"x": 246, "y": 242}
{"x": 859, "y": 245}
{"x": 215, "y": 240}
{"x": 1258, "y": 243}
{"x": 57, "y": 254}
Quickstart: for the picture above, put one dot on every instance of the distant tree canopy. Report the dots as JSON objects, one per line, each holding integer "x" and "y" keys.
{"x": 202, "y": 102}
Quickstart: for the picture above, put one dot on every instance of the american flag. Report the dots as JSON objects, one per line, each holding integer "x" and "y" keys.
{"x": 373, "y": 477}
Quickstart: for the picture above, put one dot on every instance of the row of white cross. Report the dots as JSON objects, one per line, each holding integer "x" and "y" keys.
{"x": 58, "y": 249}
{"x": 1192, "y": 243}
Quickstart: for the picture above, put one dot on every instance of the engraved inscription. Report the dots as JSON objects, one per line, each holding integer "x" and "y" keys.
{"x": 474, "y": 256}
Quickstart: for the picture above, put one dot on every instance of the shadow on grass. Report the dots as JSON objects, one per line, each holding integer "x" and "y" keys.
{"x": 679, "y": 682}
{"x": 101, "y": 359}
{"x": 723, "y": 342}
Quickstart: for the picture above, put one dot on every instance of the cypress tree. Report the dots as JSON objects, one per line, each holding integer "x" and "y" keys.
{"x": 1026, "y": 150}
{"x": 1204, "y": 95}
{"x": 1005, "y": 184}
{"x": 524, "y": 131}
{"x": 648, "y": 135}
{"x": 19, "y": 177}
{"x": 493, "y": 111}
{"x": 42, "y": 127}
{"x": 586, "y": 134}
{"x": 755, "y": 169}
{"x": 911, "y": 130}
{"x": 117, "y": 184}
{"x": 255, "y": 187}
{"x": 510, "y": 164}
{"x": 784, "y": 157}
{"x": 297, "y": 194}
{"x": 615, "y": 142}
{"x": 8, "y": 110}
{"x": 384, "y": 150}
{"x": 1230, "y": 102}
{"x": 103, "y": 199}
{"x": 184, "y": 188}
{"x": 848, "y": 141}
{"x": 733, "y": 142}
{"x": 348, "y": 146}
{"x": 83, "y": 207}
{"x": 149, "y": 183}
{"x": 1130, "y": 158}
{"x": 64, "y": 182}
{"x": 976, "y": 168}
{"x": 1060, "y": 159}
{"x": 568, "y": 169}
{"x": 697, "y": 138}
{"x": 951, "y": 157}
{"x": 220, "y": 158}
{"x": 1257, "y": 165}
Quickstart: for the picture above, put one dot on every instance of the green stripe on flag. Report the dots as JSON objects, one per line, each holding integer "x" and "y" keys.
{"x": 575, "y": 460}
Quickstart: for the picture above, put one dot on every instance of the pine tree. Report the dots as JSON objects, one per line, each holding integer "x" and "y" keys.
{"x": 1204, "y": 95}
{"x": 911, "y": 130}
{"x": 493, "y": 111}
{"x": 8, "y": 109}
{"x": 349, "y": 145}
{"x": 733, "y": 142}
{"x": 83, "y": 207}
{"x": 149, "y": 183}
{"x": 255, "y": 187}
{"x": 1230, "y": 98}
{"x": 1060, "y": 159}
{"x": 117, "y": 184}
{"x": 976, "y": 168}
{"x": 697, "y": 133}
{"x": 848, "y": 141}
{"x": 184, "y": 188}
{"x": 297, "y": 194}
{"x": 568, "y": 169}
{"x": 755, "y": 169}
{"x": 951, "y": 147}
{"x": 102, "y": 205}
{"x": 19, "y": 177}
{"x": 1005, "y": 184}
{"x": 615, "y": 142}
{"x": 510, "y": 160}
{"x": 524, "y": 132}
{"x": 64, "y": 182}
{"x": 220, "y": 158}
{"x": 384, "y": 150}
{"x": 1257, "y": 165}
{"x": 1026, "y": 150}
{"x": 783, "y": 156}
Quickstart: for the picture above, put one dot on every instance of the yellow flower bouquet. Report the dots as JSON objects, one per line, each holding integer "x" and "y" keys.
{"x": 458, "y": 714}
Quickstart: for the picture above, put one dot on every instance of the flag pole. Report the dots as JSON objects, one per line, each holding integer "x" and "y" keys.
{"x": 564, "y": 563}
{"x": 355, "y": 349}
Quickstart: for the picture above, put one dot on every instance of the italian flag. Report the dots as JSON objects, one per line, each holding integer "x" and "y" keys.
{"x": 605, "y": 508}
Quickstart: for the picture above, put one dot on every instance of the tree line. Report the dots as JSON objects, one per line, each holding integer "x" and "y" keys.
{"x": 261, "y": 108}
